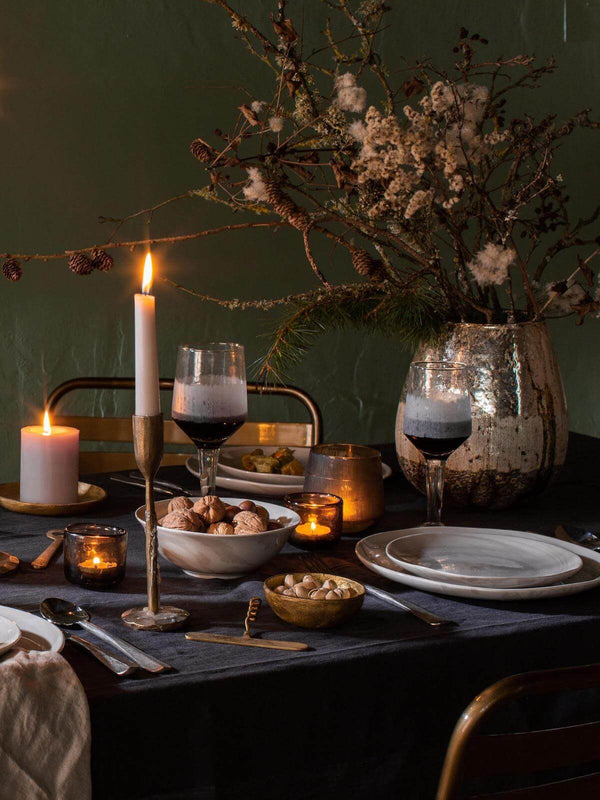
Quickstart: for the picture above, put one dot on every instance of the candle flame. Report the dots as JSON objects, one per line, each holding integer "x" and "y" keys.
{"x": 46, "y": 427}
{"x": 313, "y": 526}
{"x": 147, "y": 279}
{"x": 96, "y": 560}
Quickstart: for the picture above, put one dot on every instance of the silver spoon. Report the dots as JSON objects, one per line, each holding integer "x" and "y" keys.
{"x": 44, "y": 558}
{"x": 61, "y": 612}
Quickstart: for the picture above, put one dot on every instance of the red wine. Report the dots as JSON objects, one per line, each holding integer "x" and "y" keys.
{"x": 210, "y": 432}
{"x": 433, "y": 447}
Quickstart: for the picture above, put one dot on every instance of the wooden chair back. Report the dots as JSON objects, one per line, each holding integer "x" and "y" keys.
{"x": 473, "y": 755}
{"x": 117, "y": 430}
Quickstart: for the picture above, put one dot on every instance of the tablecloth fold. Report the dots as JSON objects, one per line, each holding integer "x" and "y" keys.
{"x": 44, "y": 729}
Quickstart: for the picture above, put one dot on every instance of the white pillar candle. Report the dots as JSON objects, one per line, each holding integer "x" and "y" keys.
{"x": 147, "y": 393}
{"x": 49, "y": 463}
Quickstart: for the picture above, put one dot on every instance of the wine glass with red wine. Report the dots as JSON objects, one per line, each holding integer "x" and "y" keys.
{"x": 437, "y": 420}
{"x": 210, "y": 400}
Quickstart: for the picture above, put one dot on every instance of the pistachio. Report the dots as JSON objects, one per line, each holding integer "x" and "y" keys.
{"x": 318, "y": 594}
{"x": 289, "y": 580}
{"x": 332, "y": 595}
{"x": 300, "y": 590}
{"x": 329, "y": 584}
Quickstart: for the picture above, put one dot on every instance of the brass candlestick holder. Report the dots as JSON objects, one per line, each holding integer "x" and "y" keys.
{"x": 148, "y": 448}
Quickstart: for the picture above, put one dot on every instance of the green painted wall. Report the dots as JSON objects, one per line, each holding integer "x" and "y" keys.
{"x": 99, "y": 100}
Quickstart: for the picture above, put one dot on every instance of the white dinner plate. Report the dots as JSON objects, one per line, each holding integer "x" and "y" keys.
{"x": 36, "y": 633}
{"x": 246, "y": 486}
{"x": 10, "y": 633}
{"x": 480, "y": 557}
{"x": 252, "y": 486}
{"x": 371, "y": 552}
{"x": 230, "y": 464}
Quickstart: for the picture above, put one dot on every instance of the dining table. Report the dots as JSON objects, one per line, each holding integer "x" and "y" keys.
{"x": 367, "y": 710}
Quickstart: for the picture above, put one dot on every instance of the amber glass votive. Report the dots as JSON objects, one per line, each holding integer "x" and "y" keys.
{"x": 321, "y": 516}
{"x": 353, "y": 472}
{"x": 95, "y": 554}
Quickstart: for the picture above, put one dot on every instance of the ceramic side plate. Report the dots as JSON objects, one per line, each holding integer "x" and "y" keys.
{"x": 481, "y": 557}
{"x": 371, "y": 552}
{"x": 35, "y": 633}
{"x": 10, "y": 633}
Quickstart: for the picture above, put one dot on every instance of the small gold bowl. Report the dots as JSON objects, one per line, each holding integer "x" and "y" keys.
{"x": 309, "y": 613}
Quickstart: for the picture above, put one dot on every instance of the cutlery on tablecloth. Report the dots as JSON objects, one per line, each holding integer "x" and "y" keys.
{"x": 246, "y": 638}
{"x": 142, "y": 485}
{"x": 315, "y": 563}
{"x": 113, "y": 663}
{"x": 136, "y": 476}
{"x": 569, "y": 533}
{"x": 45, "y": 557}
{"x": 61, "y": 612}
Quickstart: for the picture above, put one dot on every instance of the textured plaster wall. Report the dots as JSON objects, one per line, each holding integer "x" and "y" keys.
{"x": 99, "y": 100}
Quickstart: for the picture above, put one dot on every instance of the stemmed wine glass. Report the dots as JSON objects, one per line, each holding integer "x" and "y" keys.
{"x": 210, "y": 400}
{"x": 437, "y": 420}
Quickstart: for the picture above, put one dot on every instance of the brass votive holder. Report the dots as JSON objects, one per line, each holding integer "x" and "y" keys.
{"x": 352, "y": 472}
{"x": 148, "y": 448}
{"x": 94, "y": 554}
{"x": 321, "y": 519}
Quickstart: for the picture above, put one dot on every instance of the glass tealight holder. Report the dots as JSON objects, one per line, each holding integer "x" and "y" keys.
{"x": 95, "y": 554}
{"x": 321, "y": 519}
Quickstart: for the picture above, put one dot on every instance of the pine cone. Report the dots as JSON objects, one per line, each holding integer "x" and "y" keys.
{"x": 101, "y": 260}
{"x": 367, "y": 266}
{"x": 80, "y": 264}
{"x": 202, "y": 151}
{"x": 11, "y": 269}
{"x": 285, "y": 207}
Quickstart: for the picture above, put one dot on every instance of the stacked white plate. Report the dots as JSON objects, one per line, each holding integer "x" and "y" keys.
{"x": 230, "y": 474}
{"x": 480, "y": 562}
{"x": 27, "y": 631}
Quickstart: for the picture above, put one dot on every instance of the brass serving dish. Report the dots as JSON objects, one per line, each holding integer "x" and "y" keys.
{"x": 88, "y": 496}
{"x": 307, "y": 613}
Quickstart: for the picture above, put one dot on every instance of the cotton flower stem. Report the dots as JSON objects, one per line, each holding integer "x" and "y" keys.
{"x": 570, "y": 278}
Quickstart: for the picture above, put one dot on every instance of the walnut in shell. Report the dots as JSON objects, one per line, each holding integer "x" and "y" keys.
{"x": 221, "y": 528}
{"x": 179, "y": 504}
{"x": 179, "y": 520}
{"x": 210, "y": 508}
{"x": 249, "y": 522}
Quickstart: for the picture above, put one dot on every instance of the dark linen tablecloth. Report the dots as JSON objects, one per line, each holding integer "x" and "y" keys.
{"x": 366, "y": 712}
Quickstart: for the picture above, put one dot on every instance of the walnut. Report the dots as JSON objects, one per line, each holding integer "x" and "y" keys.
{"x": 178, "y": 521}
{"x": 249, "y": 522}
{"x": 210, "y": 508}
{"x": 179, "y": 504}
{"x": 222, "y": 528}
{"x": 195, "y": 519}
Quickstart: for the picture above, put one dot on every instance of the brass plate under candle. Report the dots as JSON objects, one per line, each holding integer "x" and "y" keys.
{"x": 88, "y": 497}
{"x": 8, "y": 563}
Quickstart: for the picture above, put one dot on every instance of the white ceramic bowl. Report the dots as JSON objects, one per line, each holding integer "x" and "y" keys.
{"x": 210, "y": 555}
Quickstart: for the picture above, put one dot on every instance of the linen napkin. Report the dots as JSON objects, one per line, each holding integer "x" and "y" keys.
{"x": 44, "y": 729}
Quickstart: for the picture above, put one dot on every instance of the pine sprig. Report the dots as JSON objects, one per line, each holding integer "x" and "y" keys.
{"x": 413, "y": 314}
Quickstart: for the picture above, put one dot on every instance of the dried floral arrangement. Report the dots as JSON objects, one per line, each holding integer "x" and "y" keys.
{"x": 447, "y": 208}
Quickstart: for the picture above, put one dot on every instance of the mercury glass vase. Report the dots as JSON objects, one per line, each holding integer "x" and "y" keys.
{"x": 520, "y": 427}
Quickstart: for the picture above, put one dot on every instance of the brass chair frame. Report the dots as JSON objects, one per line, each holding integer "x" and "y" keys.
{"x": 118, "y": 429}
{"x": 471, "y": 754}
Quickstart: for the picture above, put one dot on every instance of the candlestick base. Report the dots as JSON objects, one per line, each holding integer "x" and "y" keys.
{"x": 167, "y": 618}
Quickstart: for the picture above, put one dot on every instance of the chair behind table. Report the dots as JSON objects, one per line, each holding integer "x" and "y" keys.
{"x": 474, "y": 755}
{"x": 118, "y": 431}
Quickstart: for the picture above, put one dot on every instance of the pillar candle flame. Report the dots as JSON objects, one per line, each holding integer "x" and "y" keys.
{"x": 147, "y": 279}
{"x": 46, "y": 427}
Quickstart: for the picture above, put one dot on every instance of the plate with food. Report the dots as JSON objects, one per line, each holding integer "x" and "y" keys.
{"x": 284, "y": 466}
{"x": 276, "y": 465}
